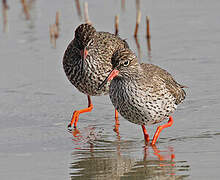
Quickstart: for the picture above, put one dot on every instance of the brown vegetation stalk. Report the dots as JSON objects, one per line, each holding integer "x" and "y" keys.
{"x": 54, "y": 30}
{"x": 25, "y": 9}
{"x": 86, "y": 13}
{"x": 5, "y": 5}
{"x": 138, "y": 19}
{"x": 148, "y": 27}
{"x": 78, "y": 9}
{"x": 137, "y": 5}
{"x": 4, "y": 14}
{"x": 57, "y": 18}
{"x": 116, "y": 24}
{"x": 123, "y": 5}
{"x": 51, "y": 34}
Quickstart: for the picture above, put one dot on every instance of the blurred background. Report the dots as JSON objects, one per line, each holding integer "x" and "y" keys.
{"x": 37, "y": 100}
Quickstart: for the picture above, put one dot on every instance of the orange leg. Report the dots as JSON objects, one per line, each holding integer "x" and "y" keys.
{"x": 116, "y": 122}
{"x": 146, "y": 136}
{"x": 76, "y": 114}
{"x": 160, "y": 128}
{"x": 116, "y": 115}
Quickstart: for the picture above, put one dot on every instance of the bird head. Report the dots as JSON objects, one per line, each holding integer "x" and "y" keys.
{"x": 124, "y": 63}
{"x": 84, "y": 37}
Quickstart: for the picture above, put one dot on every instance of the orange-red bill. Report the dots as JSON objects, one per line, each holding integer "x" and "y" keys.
{"x": 84, "y": 53}
{"x": 111, "y": 75}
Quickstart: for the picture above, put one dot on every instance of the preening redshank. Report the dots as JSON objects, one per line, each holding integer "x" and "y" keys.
{"x": 143, "y": 94}
{"x": 87, "y": 62}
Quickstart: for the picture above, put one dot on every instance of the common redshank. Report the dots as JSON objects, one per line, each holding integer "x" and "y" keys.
{"x": 143, "y": 94}
{"x": 87, "y": 62}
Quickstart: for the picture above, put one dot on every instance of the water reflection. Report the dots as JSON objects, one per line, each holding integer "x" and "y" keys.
{"x": 138, "y": 47}
{"x": 27, "y": 5}
{"x": 96, "y": 158}
{"x": 78, "y": 9}
{"x": 149, "y": 49}
{"x": 5, "y": 8}
{"x": 123, "y": 5}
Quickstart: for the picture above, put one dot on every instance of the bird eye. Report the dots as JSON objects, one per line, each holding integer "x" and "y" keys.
{"x": 126, "y": 63}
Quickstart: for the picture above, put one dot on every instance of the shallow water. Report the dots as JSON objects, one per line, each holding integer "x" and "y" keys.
{"x": 37, "y": 100}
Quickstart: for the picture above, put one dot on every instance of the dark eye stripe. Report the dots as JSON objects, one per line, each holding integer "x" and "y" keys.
{"x": 89, "y": 42}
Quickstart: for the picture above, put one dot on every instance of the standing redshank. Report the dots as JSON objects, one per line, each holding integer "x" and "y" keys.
{"x": 87, "y": 62}
{"x": 143, "y": 94}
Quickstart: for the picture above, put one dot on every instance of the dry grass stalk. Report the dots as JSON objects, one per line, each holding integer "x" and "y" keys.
{"x": 54, "y": 30}
{"x": 5, "y": 5}
{"x": 123, "y": 5}
{"x": 57, "y": 19}
{"x": 116, "y": 24}
{"x": 138, "y": 5}
{"x": 25, "y": 9}
{"x": 78, "y": 9}
{"x": 5, "y": 19}
{"x": 148, "y": 34}
{"x": 56, "y": 34}
{"x": 51, "y": 34}
{"x": 138, "y": 20}
{"x": 148, "y": 27}
{"x": 86, "y": 13}
{"x": 56, "y": 26}
{"x": 4, "y": 14}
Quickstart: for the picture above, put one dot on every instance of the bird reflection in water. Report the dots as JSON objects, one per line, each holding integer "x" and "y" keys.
{"x": 77, "y": 136}
{"x": 98, "y": 158}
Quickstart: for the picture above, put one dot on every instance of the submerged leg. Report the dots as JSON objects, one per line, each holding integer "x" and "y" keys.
{"x": 146, "y": 136}
{"x": 160, "y": 128}
{"x": 157, "y": 152}
{"x": 116, "y": 122}
{"x": 76, "y": 113}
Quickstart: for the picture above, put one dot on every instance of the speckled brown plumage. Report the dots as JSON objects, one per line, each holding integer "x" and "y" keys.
{"x": 87, "y": 74}
{"x": 87, "y": 61}
{"x": 143, "y": 93}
